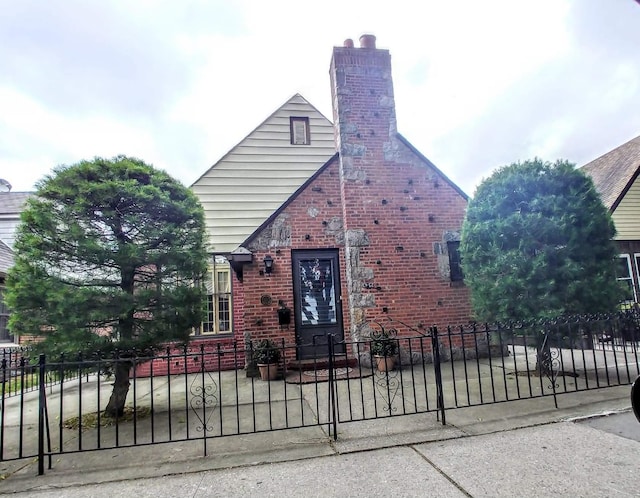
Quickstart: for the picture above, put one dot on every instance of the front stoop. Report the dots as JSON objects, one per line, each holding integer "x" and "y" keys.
{"x": 321, "y": 363}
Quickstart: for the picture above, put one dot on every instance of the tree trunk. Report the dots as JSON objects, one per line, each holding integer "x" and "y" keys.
{"x": 115, "y": 407}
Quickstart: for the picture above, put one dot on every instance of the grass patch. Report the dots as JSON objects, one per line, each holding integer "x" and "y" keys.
{"x": 13, "y": 383}
{"x": 90, "y": 420}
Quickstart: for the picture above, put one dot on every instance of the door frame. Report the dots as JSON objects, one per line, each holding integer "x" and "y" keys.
{"x": 303, "y": 352}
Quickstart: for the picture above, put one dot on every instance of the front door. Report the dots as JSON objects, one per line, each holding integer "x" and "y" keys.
{"x": 317, "y": 301}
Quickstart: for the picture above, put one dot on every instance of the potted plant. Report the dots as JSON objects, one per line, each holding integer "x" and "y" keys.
{"x": 384, "y": 348}
{"x": 266, "y": 354}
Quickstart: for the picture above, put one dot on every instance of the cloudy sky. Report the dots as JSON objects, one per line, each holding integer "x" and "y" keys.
{"x": 478, "y": 84}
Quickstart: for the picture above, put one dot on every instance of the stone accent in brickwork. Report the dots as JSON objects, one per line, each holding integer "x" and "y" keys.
{"x": 277, "y": 234}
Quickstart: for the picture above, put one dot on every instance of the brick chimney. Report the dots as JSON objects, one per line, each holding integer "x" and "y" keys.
{"x": 365, "y": 128}
{"x": 399, "y": 212}
{"x": 363, "y": 104}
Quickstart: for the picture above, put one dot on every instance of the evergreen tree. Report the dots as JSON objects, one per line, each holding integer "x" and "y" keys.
{"x": 106, "y": 258}
{"x": 537, "y": 242}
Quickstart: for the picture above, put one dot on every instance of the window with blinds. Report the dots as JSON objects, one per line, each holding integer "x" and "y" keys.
{"x": 299, "y": 128}
{"x": 218, "y": 318}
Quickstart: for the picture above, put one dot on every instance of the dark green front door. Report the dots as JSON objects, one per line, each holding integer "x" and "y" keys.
{"x": 317, "y": 301}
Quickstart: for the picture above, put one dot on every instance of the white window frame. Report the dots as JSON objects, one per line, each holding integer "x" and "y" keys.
{"x": 630, "y": 275}
{"x": 4, "y": 314}
{"x": 299, "y": 129}
{"x": 636, "y": 264}
{"x": 219, "y": 302}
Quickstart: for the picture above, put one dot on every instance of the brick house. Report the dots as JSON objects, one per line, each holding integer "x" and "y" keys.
{"x": 615, "y": 175}
{"x": 320, "y": 228}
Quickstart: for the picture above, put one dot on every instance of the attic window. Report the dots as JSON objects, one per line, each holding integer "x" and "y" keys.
{"x": 299, "y": 131}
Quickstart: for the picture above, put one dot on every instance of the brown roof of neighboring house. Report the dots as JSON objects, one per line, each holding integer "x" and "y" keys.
{"x": 6, "y": 258}
{"x": 13, "y": 202}
{"x": 614, "y": 172}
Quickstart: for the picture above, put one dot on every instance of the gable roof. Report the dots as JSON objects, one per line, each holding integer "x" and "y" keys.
{"x": 241, "y": 190}
{"x": 426, "y": 160}
{"x": 13, "y": 202}
{"x": 291, "y": 198}
{"x": 6, "y": 258}
{"x": 614, "y": 172}
{"x": 306, "y": 184}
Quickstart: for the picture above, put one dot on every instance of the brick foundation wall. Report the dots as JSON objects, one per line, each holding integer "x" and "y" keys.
{"x": 174, "y": 361}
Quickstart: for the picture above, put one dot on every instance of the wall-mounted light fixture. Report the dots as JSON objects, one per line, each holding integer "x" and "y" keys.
{"x": 268, "y": 264}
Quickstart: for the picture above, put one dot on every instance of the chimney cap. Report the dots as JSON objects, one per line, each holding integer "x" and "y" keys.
{"x": 348, "y": 43}
{"x": 368, "y": 41}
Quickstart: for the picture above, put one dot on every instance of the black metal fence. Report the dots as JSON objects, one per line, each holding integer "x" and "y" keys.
{"x": 435, "y": 370}
{"x": 19, "y": 374}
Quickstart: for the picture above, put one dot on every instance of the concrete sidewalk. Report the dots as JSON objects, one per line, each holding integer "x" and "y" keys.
{"x": 557, "y": 459}
{"x": 404, "y": 454}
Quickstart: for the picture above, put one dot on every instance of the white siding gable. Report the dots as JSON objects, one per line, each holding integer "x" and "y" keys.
{"x": 627, "y": 215}
{"x": 250, "y": 182}
{"x": 11, "y": 205}
{"x": 8, "y": 226}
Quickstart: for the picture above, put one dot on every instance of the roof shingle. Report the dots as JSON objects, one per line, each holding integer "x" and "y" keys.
{"x": 13, "y": 202}
{"x": 614, "y": 172}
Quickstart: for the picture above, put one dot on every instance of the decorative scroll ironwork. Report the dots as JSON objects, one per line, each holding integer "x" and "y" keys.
{"x": 549, "y": 362}
{"x": 384, "y": 349}
{"x": 382, "y": 334}
{"x": 204, "y": 399}
{"x": 387, "y": 384}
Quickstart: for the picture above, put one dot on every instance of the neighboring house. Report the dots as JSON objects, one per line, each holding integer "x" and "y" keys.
{"x": 11, "y": 205}
{"x": 615, "y": 175}
{"x": 6, "y": 260}
{"x": 319, "y": 228}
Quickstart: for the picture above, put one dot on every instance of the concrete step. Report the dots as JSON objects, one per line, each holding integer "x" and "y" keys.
{"x": 322, "y": 362}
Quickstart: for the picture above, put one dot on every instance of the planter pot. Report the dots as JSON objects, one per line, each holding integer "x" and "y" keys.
{"x": 385, "y": 363}
{"x": 268, "y": 371}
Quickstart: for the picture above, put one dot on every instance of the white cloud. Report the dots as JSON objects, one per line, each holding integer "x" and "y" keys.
{"x": 478, "y": 84}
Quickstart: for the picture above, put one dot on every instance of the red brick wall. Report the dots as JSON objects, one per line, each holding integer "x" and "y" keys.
{"x": 399, "y": 209}
{"x": 310, "y": 220}
{"x": 25, "y": 340}
{"x": 214, "y": 353}
{"x": 237, "y": 300}
{"x": 403, "y": 246}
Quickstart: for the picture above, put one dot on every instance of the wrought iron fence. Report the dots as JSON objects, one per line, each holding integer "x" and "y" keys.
{"x": 530, "y": 360}
{"x": 19, "y": 372}
{"x": 185, "y": 393}
{"x": 186, "y": 396}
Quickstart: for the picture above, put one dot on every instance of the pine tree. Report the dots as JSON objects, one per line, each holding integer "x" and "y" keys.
{"x": 106, "y": 258}
{"x": 537, "y": 242}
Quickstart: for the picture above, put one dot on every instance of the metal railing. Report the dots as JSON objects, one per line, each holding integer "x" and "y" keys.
{"x": 186, "y": 394}
{"x": 19, "y": 372}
